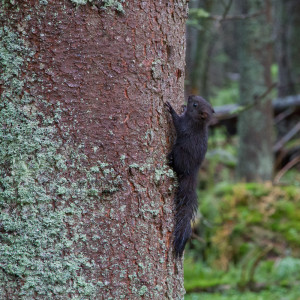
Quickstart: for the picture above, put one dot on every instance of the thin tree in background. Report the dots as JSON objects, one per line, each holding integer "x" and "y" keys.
{"x": 288, "y": 46}
{"x": 85, "y": 195}
{"x": 255, "y": 157}
{"x": 200, "y": 41}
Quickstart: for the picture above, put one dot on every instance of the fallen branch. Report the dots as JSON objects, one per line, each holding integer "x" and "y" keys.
{"x": 198, "y": 238}
{"x": 232, "y": 110}
{"x": 289, "y": 111}
{"x": 287, "y": 137}
{"x": 287, "y": 167}
{"x": 237, "y": 17}
{"x": 258, "y": 259}
{"x": 282, "y": 103}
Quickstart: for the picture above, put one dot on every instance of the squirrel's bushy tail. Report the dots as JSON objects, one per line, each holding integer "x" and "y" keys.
{"x": 185, "y": 208}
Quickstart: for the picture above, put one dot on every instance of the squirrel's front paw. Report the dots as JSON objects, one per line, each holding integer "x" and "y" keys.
{"x": 170, "y": 160}
{"x": 169, "y": 107}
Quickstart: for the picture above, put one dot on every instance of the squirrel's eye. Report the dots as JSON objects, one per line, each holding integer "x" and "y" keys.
{"x": 195, "y": 104}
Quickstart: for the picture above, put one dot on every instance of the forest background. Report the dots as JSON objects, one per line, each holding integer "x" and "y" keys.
{"x": 243, "y": 56}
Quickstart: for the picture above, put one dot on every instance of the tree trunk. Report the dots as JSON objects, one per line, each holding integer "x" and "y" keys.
{"x": 85, "y": 194}
{"x": 285, "y": 84}
{"x": 198, "y": 59}
{"x": 288, "y": 44}
{"x": 255, "y": 158}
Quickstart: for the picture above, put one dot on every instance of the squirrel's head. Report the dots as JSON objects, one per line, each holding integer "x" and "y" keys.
{"x": 199, "y": 109}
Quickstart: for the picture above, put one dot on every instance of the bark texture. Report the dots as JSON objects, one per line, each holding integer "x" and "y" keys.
{"x": 85, "y": 194}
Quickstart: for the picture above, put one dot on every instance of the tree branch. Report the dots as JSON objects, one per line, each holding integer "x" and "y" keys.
{"x": 198, "y": 238}
{"x": 287, "y": 167}
{"x": 231, "y": 110}
{"x": 227, "y": 8}
{"x": 237, "y": 17}
{"x": 286, "y": 137}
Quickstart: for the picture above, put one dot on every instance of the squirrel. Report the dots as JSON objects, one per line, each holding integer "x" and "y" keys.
{"x": 185, "y": 159}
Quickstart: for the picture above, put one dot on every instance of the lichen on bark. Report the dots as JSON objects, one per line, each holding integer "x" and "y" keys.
{"x": 103, "y": 4}
{"x": 36, "y": 249}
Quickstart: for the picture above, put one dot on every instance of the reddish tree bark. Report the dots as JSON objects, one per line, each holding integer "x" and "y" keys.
{"x": 95, "y": 80}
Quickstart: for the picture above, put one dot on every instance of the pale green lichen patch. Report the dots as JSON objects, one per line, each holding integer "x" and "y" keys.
{"x": 103, "y": 4}
{"x": 156, "y": 69}
{"x": 158, "y": 174}
{"x": 143, "y": 290}
{"x": 161, "y": 172}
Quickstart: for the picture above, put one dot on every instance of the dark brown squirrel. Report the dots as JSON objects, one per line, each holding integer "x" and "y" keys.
{"x": 185, "y": 159}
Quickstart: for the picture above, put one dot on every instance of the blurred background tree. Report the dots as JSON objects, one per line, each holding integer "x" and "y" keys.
{"x": 243, "y": 56}
{"x": 255, "y": 157}
{"x": 288, "y": 45}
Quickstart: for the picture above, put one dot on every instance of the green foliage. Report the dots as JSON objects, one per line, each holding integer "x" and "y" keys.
{"x": 259, "y": 214}
{"x": 274, "y": 72}
{"x": 280, "y": 279}
{"x": 199, "y": 275}
{"x": 275, "y": 292}
{"x": 227, "y": 95}
{"x": 251, "y": 234}
{"x": 292, "y": 176}
{"x": 220, "y": 159}
{"x": 198, "y": 13}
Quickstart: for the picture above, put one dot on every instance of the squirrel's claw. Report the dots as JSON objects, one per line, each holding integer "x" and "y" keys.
{"x": 169, "y": 106}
